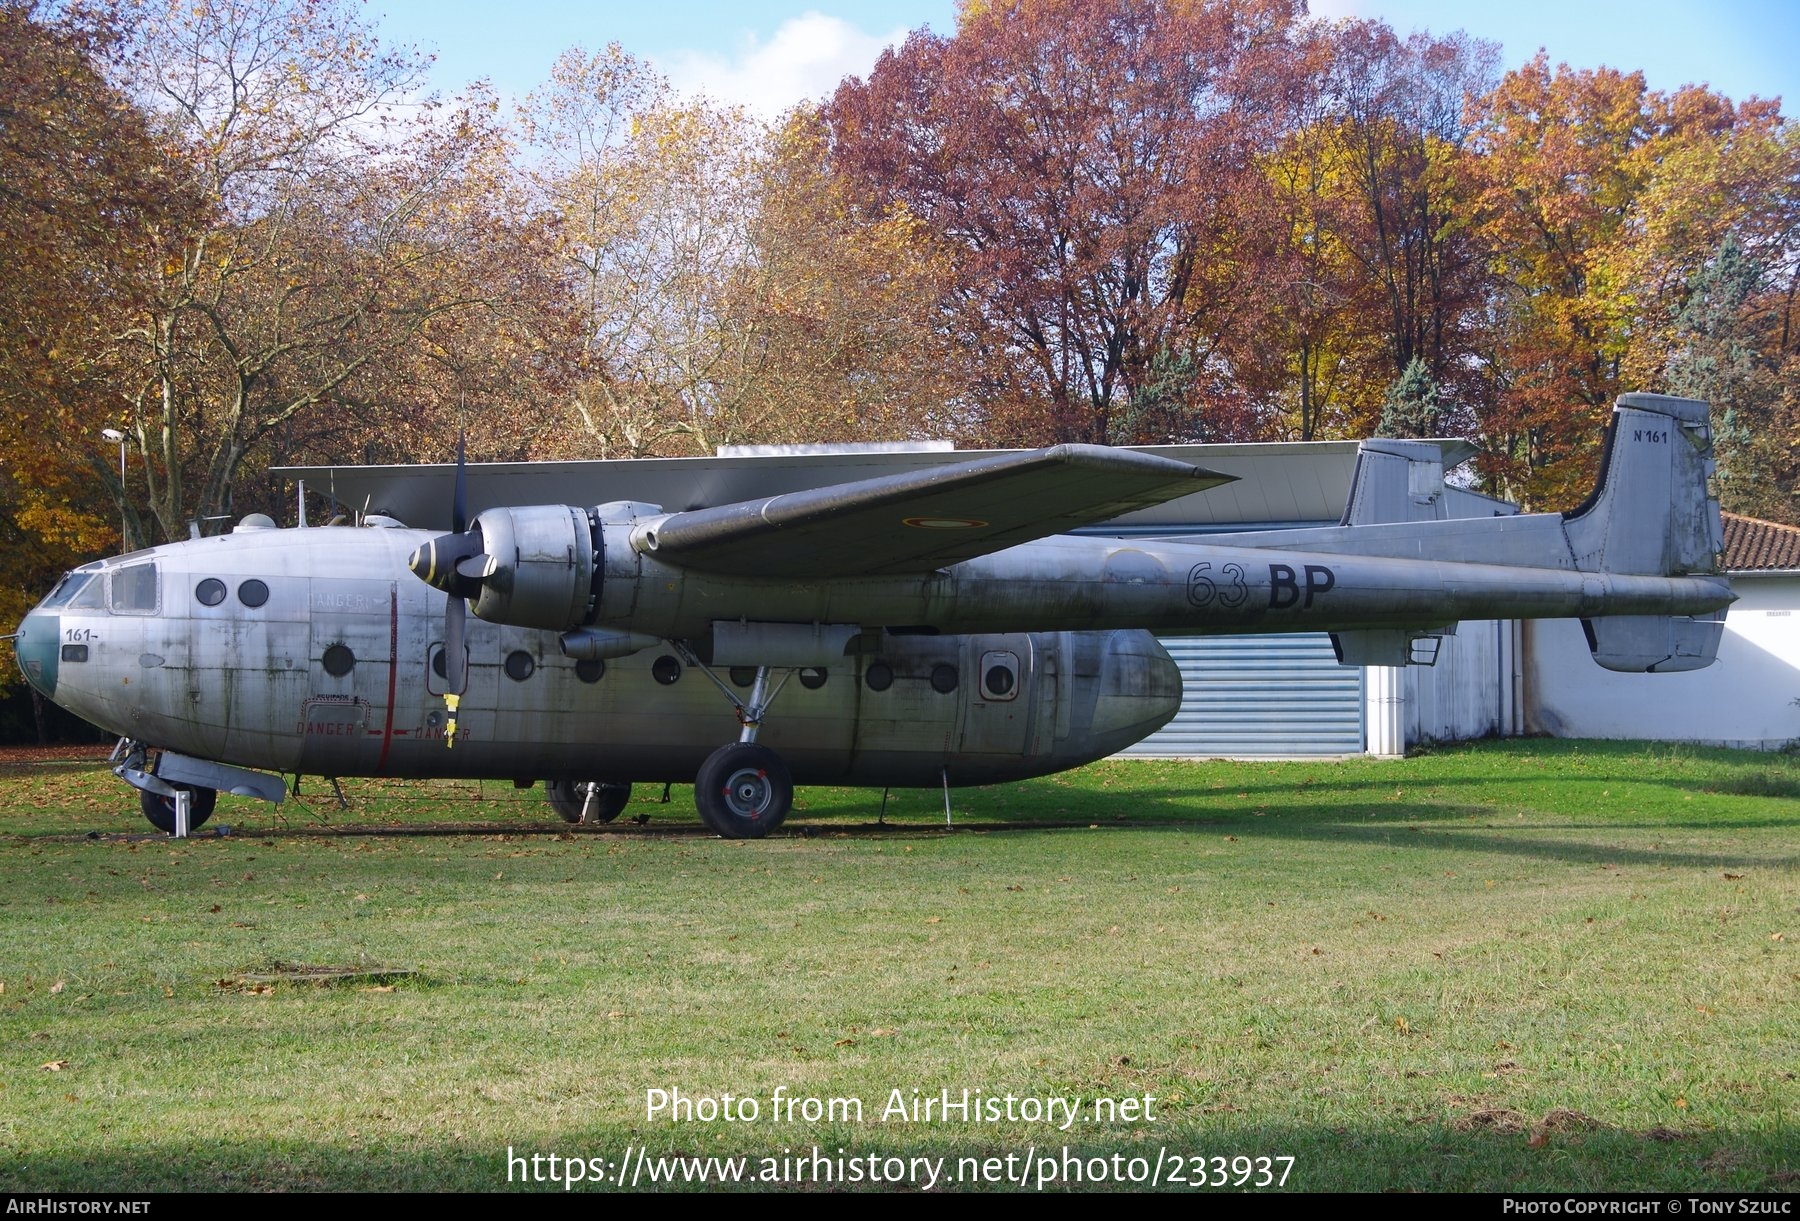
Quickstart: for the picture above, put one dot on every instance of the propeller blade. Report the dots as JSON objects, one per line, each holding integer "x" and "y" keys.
{"x": 477, "y": 567}
{"x": 459, "y": 505}
{"x": 456, "y": 658}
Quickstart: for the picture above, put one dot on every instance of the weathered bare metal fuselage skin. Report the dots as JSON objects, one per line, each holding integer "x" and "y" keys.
{"x": 249, "y": 686}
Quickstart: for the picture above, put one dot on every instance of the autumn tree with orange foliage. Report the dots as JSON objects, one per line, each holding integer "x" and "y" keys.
{"x": 1371, "y": 268}
{"x": 1092, "y": 167}
{"x": 1602, "y": 200}
{"x": 84, "y": 195}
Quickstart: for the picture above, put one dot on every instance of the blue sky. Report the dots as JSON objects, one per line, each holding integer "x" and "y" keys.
{"x": 768, "y": 54}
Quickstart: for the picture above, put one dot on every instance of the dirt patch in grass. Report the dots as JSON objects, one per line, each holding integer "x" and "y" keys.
{"x": 324, "y": 974}
{"x": 1489, "y": 1119}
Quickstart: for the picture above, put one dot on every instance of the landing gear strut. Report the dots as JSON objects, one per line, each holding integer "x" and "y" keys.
{"x": 743, "y": 790}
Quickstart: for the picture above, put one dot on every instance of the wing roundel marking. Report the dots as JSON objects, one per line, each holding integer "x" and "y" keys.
{"x": 944, "y": 523}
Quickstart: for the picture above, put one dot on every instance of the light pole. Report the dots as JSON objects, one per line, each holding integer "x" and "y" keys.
{"x": 113, "y": 434}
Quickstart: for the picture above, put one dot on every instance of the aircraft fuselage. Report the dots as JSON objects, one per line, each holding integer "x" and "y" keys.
{"x": 331, "y": 672}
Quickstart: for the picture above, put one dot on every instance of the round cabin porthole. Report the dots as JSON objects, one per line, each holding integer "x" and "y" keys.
{"x": 943, "y": 679}
{"x": 253, "y": 592}
{"x": 210, "y": 592}
{"x": 879, "y": 676}
{"x": 338, "y": 660}
{"x": 999, "y": 682}
{"x": 519, "y": 665}
{"x": 590, "y": 669}
{"x": 743, "y": 676}
{"x": 812, "y": 679}
{"x": 666, "y": 670}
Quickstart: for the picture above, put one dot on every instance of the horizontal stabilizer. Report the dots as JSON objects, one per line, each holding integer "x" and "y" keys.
{"x": 1654, "y": 644}
{"x": 921, "y": 520}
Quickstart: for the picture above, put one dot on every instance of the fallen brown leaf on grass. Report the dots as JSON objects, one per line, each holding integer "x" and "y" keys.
{"x": 54, "y": 1066}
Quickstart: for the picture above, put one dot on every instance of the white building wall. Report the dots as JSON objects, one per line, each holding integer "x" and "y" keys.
{"x": 1745, "y": 698}
{"x": 1469, "y": 693}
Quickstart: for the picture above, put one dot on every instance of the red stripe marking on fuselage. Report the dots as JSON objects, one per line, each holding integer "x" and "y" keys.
{"x": 387, "y": 728}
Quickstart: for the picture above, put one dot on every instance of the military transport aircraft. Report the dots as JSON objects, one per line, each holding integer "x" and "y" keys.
{"x": 935, "y": 625}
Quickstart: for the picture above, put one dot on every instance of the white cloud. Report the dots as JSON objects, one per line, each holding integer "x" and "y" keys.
{"x": 805, "y": 59}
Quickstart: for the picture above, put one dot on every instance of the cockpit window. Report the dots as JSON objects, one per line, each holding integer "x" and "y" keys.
{"x": 91, "y": 596}
{"x": 134, "y": 588}
{"x": 67, "y": 588}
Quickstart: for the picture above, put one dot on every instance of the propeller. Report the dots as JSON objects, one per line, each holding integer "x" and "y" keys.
{"x": 456, "y": 564}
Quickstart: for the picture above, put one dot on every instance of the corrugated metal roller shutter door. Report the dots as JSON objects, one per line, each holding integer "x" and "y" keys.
{"x": 1253, "y": 696}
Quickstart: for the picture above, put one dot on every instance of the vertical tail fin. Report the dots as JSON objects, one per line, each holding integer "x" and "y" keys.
{"x": 1395, "y": 481}
{"x": 1653, "y": 512}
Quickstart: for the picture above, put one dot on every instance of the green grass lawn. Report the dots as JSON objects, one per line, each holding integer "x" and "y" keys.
{"x": 1524, "y": 965}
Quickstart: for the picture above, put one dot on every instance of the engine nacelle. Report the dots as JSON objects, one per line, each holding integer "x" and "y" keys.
{"x": 544, "y": 574}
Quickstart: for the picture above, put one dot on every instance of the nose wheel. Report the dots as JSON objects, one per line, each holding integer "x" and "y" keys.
{"x": 743, "y": 791}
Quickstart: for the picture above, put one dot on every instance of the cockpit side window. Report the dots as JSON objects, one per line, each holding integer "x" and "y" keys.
{"x": 67, "y": 589}
{"x": 134, "y": 589}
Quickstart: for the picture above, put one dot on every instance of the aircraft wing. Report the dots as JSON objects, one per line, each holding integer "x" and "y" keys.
{"x": 916, "y": 521}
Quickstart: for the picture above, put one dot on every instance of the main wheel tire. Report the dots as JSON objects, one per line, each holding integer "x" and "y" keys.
{"x": 160, "y": 810}
{"x": 570, "y": 797}
{"x": 743, "y": 791}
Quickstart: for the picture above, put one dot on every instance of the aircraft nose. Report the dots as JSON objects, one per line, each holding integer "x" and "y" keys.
{"x": 37, "y": 647}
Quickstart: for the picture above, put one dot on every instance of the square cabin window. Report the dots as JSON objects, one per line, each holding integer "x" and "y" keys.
{"x": 134, "y": 589}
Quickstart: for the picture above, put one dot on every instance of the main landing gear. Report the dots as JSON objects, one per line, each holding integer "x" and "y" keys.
{"x": 743, "y": 790}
